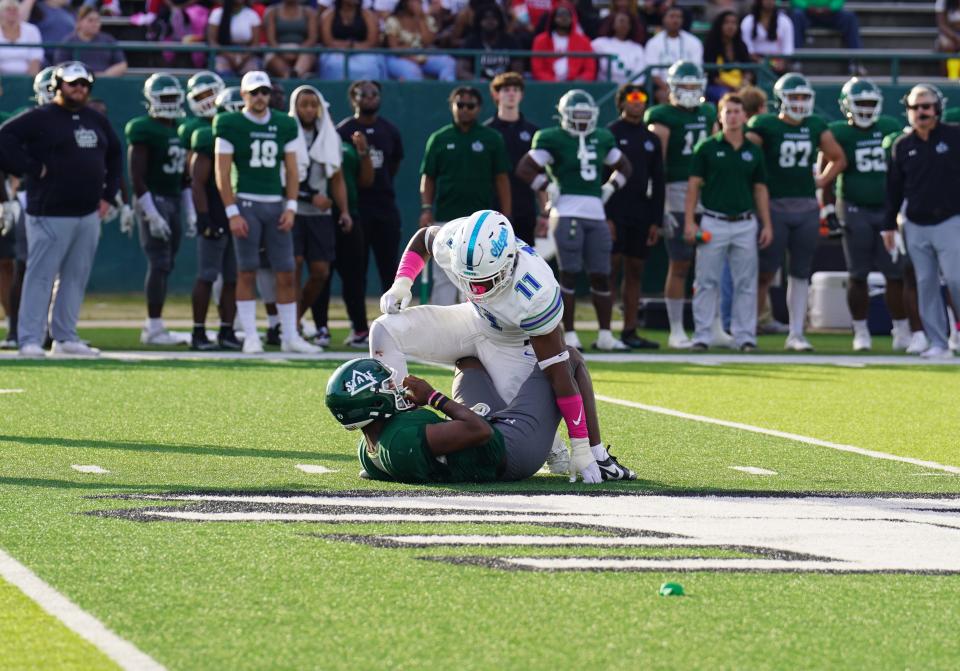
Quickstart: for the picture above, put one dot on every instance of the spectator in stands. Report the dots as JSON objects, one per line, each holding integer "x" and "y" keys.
{"x": 242, "y": 29}
{"x": 653, "y": 12}
{"x": 52, "y": 17}
{"x": 948, "y": 22}
{"x": 768, "y": 32}
{"x": 529, "y": 13}
{"x": 724, "y": 45}
{"x": 561, "y": 36}
{"x": 347, "y": 25}
{"x": 108, "y": 62}
{"x": 716, "y": 7}
{"x": 824, "y": 14}
{"x": 13, "y": 30}
{"x": 409, "y": 27}
{"x": 630, "y": 7}
{"x": 489, "y": 34}
{"x": 619, "y": 42}
{"x": 670, "y": 45}
{"x": 290, "y": 24}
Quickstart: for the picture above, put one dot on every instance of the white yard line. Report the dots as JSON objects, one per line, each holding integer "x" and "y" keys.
{"x": 11, "y": 391}
{"x": 753, "y": 470}
{"x": 315, "y": 469}
{"x": 89, "y": 468}
{"x": 806, "y": 440}
{"x": 124, "y": 653}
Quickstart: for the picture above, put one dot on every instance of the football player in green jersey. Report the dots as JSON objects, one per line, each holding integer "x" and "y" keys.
{"x": 157, "y": 161}
{"x": 256, "y": 150}
{"x": 569, "y": 162}
{"x": 860, "y": 193}
{"x": 484, "y": 439}
{"x": 681, "y": 124}
{"x": 790, "y": 140}
{"x": 202, "y": 91}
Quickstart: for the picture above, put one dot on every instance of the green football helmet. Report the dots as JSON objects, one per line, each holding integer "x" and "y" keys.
{"x": 43, "y": 85}
{"x": 230, "y": 100}
{"x": 578, "y": 112}
{"x": 794, "y": 95}
{"x": 164, "y": 96}
{"x": 687, "y": 84}
{"x": 202, "y": 91}
{"x": 861, "y": 102}
{"x": 362, "y": 390}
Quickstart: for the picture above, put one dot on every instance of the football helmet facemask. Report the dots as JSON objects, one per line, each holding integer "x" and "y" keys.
{"x": 578, "y": 112}
{"x": 230, "y": 100}
{"x": 484, "y": 255}
{"x": 164, "y": 96}
{"x": 202, "y": 91}
{"x": 794, "y": 95}
{"x": 687, "y": 84}
{"x": 362, "y": 390}
{"x": 43, "y": 85}
{"x": 861, "y": 102}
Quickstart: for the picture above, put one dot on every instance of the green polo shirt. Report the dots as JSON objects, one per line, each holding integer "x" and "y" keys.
{"x": 464, "y": 166}
{"x": 728, "y": 174}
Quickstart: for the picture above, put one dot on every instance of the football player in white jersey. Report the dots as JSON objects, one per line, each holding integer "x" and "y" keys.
{"x": 511, "y": 322}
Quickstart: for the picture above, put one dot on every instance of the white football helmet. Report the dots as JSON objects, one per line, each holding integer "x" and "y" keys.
{"x": 484, "y": 254}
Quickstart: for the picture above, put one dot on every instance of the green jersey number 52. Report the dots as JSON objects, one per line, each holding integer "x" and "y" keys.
{"x": 871, "y": 159}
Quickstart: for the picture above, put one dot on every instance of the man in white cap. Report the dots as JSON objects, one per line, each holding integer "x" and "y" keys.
{"x": 256, "y": 173}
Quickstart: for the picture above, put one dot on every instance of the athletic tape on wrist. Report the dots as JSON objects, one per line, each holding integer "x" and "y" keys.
{"x": 571, "y": 407}
{"x": 232, "y": 211}
{"x": 410, "y": 266}
{"x": 292, "y": 204}
{"x": 538, "y": 182}
{"x": 617, "y": 179}
{"x": 559, "y": 358}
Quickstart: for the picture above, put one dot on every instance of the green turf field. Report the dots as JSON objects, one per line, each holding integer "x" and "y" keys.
{"x": 206, "y": 547}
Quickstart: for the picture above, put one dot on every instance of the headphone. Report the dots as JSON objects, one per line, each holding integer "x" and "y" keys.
{"x": 940, "y": 100}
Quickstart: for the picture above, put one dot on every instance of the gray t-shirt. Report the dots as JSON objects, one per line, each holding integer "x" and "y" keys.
{"x": 97, "y": 60}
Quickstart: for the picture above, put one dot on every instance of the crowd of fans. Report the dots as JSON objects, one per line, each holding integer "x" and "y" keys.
{"x": 636, "y": 33}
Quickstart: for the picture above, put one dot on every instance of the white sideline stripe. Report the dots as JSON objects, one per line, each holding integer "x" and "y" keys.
{"x": 315, "y": 468}
{"x": 124, "y": 653}
{"x": 88, "y": 468}
{"x": 806, "y": 440}
{"x": 11, "y": 391}
{"x": 753, "y": 470}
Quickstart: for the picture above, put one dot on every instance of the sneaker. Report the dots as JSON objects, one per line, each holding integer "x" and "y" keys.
{"x": 9, "y": 343}
{"x": 918, "y": 343}
{"x": 73, "y": 348}
{"x": 901, "y": 341}
{"x": 252, "y": 345}
{"x": 607, "y": 343}
{"x": 298, "y": 345}
{"x": 357, "y": 339}
{"x": 679, "y": 341}
{"x": 748, "y": 347}
{"x": 721, "y": 338}
{"x": 570, "y": 339}
{"x": 798, "y": 343}
{"x": 322, "y": 339}
{"x": 611, "y": 469}
{"x": 862, "y": 342}
{"x": 32, "y": 351}
{"x": 273, "y": 336}
{"x": 363, "y": 475}
{"x": 699, "y": 347}
{"x": 935, "y": 352}
{"x": 228, "y": 340}
{"x": 558, "y": 461}
{"x": 634, "y": 341}
{"x": 772, "y": 327}
{"x": 199, "y": 342}
{"x": 954, "y": 342}
{"x": 161, "y": 338}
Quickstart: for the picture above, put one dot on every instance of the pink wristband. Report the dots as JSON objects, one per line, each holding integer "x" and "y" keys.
{"x": 411, "y": 264}
{"x": 433, "y": 397}
{"x": 571, "y": 407}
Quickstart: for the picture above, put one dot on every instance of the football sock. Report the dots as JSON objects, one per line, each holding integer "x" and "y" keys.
{"x": 384, "y": 348}
{"x": 287, "y": 314}
{"x": 247, "y": 316}
{"x": 797, "y": 293}
{"x": 901, "y": 327}
{"x": 860, "y": 326}
{"x": 273, "y": 320}
{"x": 154, "y": 325}
{"x": 675, "y": 314}
{"x": 599, "y": 452}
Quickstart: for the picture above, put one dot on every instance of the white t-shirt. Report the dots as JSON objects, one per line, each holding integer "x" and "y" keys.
{"x": 241, "y": 26}
{"x": 14, "y": 60}
{"x": 631, "y": 59}
{"x": 953, "y": 16}
{"x": 561, "y": 66}
{"x": 663, "y": 49}
{"x": 762, "y": 45}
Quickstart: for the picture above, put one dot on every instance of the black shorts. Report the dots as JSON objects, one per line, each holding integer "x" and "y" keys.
{"x": 631, "y": 238}
{"x": 8, "y": 245}
{"x": 314, "y": 238}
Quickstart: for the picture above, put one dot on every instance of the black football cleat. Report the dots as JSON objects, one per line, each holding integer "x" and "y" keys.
{"x": 273, "y": 336}
{"x": 199, "y": 342}
{"x": 634, "y": 341}
{"x": 227, "y": 340}
{"x": 611, "y": 469}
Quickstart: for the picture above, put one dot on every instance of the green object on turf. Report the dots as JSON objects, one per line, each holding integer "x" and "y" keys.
{"x": 671, "y": 589}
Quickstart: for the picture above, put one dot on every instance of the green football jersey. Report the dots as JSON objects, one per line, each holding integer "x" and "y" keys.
{"x": 791, "y": 153}
{"x": 402, "y": 454}
{"x": 258, "y": 150}
{"x": 889, "y": 140}
{"x": 201, "y": 142}
{"x": 951, "y": 115}
{"x": 166, "y": 156}
{"x": 688, "y": 127}
{"x": 864, "y": 180}
{"x": 576, "y": 172}
{"x": 188, "y": 125}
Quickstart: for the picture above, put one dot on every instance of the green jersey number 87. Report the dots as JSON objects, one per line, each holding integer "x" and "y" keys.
{"x": 263, "y": 154}
{"x": 795, "y": 153}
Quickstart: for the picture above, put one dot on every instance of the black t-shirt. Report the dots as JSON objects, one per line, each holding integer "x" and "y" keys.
{"x": 386, "y": 153}
{"x": 494, "y": 62}
{"x": 641, "y": 198}
{"x": 517, "y": 135}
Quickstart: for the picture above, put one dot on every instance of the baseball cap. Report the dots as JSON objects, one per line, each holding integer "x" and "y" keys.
{"x": 254, "y": 80}
{"x": 73, "y": 71}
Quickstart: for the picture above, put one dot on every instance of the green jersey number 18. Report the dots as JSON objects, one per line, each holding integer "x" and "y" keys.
{"x": 795, "y": 153}
{"x": 263, "y": 154}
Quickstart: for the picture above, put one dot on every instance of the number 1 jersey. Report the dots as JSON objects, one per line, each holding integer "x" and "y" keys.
{"x": 258, "y": 149}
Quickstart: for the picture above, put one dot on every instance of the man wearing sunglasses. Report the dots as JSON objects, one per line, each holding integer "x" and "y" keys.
{"x": 924, "y": 171}
{"x": 70, "y": 159}
{"x": 255, "y": 150}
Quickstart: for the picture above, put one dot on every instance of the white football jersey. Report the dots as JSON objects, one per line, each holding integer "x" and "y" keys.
{"x": 532, "y": 306}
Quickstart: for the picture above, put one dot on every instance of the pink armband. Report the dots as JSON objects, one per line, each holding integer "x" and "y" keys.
{"x": 571, "y": 407}
{"x": 411, "y": 264}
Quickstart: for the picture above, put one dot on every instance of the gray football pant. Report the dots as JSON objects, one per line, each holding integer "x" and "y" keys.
{"x": 736, "y": 242}
{"x": 935, "y": 250}
{"x": 63, "y": 246}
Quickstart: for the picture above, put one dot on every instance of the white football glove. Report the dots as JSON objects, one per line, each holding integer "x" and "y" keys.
{"x": 606, "y": 191}
{"x": 127, "y": 218}
{"x": 397, "y": 297}
{"x": 553, "y": 195}
{"x": 10, "y": 214}
{"x": 899, "y": 248}
{"x": 582, "y": 462}
{"x": 189, "y": 213}
{"x": 156, "y": 224}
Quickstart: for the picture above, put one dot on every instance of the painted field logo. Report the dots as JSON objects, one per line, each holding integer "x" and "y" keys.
{"x": 810, "y": 533}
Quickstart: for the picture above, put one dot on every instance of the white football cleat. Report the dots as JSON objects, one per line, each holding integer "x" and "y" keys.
{"x": 901, "y": 341}
{"x": 253, "y": 345}
{"x": 307, "y": 328}
{"x": 862, "y": 342}
{"x": 918, "y": 343}
{"x": 558, "y": 461}
{"x": 935, "y": 352}
{"x": 798, "y": 343}
{"x": 679, "y": 340}
{"x": 163, "y": 337}
{"x": 75, "y": 348}
{"x": 8, "y": 344}
{"x": 954, "y": 342}
{"x": 298, "y": 345}
{"x": 32, "y": 351}
{"x": 720, "y": 338}
{"x": 607, "y": 343}
{"x": 570, "y": 339}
